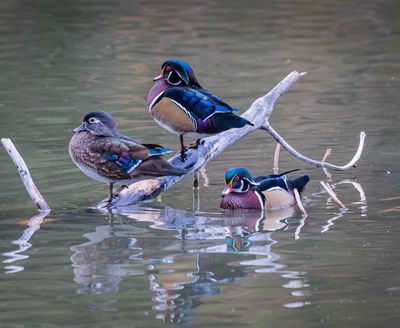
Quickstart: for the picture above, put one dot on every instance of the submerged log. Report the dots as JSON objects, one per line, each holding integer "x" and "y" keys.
{"x": 258, "y": 113}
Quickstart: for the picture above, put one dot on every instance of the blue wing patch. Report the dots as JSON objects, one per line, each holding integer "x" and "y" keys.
{"x": 127, "y": 163}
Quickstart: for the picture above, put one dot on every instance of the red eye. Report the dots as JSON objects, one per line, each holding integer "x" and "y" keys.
{"x": 236, "y": 178}
{"x": 167, "y": 68}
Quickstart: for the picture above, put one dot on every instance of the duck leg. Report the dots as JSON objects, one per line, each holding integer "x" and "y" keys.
{"x": 183, "y": 149}
{"x": 110, "y": 192}
{"x": 196, "y": 144}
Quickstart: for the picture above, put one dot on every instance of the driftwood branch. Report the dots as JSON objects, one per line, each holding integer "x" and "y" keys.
{"x": 258, "y": 113}
{"x": 26, "y": 178}
{"x": 313, "y": 162}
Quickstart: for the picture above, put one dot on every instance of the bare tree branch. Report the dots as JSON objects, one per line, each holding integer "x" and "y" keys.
{"x": 313, "y": 162}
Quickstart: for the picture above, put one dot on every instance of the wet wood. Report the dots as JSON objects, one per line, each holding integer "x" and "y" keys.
{"x": 25, "y": 175}
{"x": 331, "y": 193}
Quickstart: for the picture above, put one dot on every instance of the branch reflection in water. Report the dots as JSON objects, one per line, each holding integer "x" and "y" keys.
{"x": 23, "y": 243}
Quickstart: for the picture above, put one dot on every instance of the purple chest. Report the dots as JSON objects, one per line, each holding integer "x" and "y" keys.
{"x": 246, "y": 200}
{"x": 157, "y": 88}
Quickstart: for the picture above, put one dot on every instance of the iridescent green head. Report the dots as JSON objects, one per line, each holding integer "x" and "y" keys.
{"x": 238, "y": 179}
{"x": 177, "y": 73}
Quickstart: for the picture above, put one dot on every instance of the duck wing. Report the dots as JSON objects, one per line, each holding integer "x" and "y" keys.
{"x": 198, "y": 105}
{"x": 122, "y": 154}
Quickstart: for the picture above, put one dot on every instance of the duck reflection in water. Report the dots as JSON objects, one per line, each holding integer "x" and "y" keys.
{"x": 201, "y": 265}
{"x": 182, "y": 269}
{"x": 207, "y": 253}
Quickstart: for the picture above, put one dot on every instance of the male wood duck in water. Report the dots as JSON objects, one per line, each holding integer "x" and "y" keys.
{"x": 106, "y": 156}
{"x": 261, "y": 193}
{"x": 179, "y": 104}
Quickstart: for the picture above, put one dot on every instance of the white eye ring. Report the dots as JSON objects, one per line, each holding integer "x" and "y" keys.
{"x": 93, "y": 120}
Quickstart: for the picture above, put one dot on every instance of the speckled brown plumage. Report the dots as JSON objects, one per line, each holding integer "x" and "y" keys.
{"x": 94, "y": 153}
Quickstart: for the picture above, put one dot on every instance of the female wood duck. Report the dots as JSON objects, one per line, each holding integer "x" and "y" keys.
{"x": 179, "y": 104}
{"x": 106, "y": 156}
{"x": 261, "y": 193}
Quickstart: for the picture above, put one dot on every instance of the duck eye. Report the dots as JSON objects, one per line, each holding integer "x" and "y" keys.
{"x": 236, "y": 178}
{"x": 92, "y": 120}
{"x": 167, "y": 68}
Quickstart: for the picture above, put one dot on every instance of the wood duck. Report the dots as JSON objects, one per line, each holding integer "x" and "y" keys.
{"x": 179, "y": 104}
{"x": 104, "y": 155}
{"x": 269, "y": 192}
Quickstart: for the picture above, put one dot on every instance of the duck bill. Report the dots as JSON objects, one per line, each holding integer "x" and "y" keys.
{"x": 159, "y": 77}
{"x": 226, "y": 191}
{"x": 80, "y": 128}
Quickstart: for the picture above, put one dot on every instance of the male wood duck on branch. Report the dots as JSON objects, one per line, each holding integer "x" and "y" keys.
{"x": 179, "y": 104}
{"x": 269, "y": 192}
{"x": 104, "y": 155}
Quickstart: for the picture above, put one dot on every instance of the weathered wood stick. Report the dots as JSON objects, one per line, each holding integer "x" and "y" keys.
{"x": 324, "y": 159}
{"x": 331, "y": 193}
{"x": 275, "y": 168}
{"x": 258, "y": 113}
{"x": 26, "y": 178}
{"x": 327, "y": 154}
{"x": 298, "y": 201}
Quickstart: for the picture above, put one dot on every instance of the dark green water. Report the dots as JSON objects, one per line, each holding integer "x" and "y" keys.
{"x": 165, "y": 262}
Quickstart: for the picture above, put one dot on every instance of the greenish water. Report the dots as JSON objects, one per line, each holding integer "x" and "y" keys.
{"x": 172, "y": 260}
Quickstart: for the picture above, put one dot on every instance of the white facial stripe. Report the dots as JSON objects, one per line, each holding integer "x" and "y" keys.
{"x": 251, "y": 182}
{"x": 240, "y": 189}
{"x": 172, "y": 82}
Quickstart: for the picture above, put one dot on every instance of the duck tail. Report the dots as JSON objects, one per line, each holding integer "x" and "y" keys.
{"x": 287, "y": 172}
{"x": 299, "y": 183}
{"x": 224, "y": 122}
